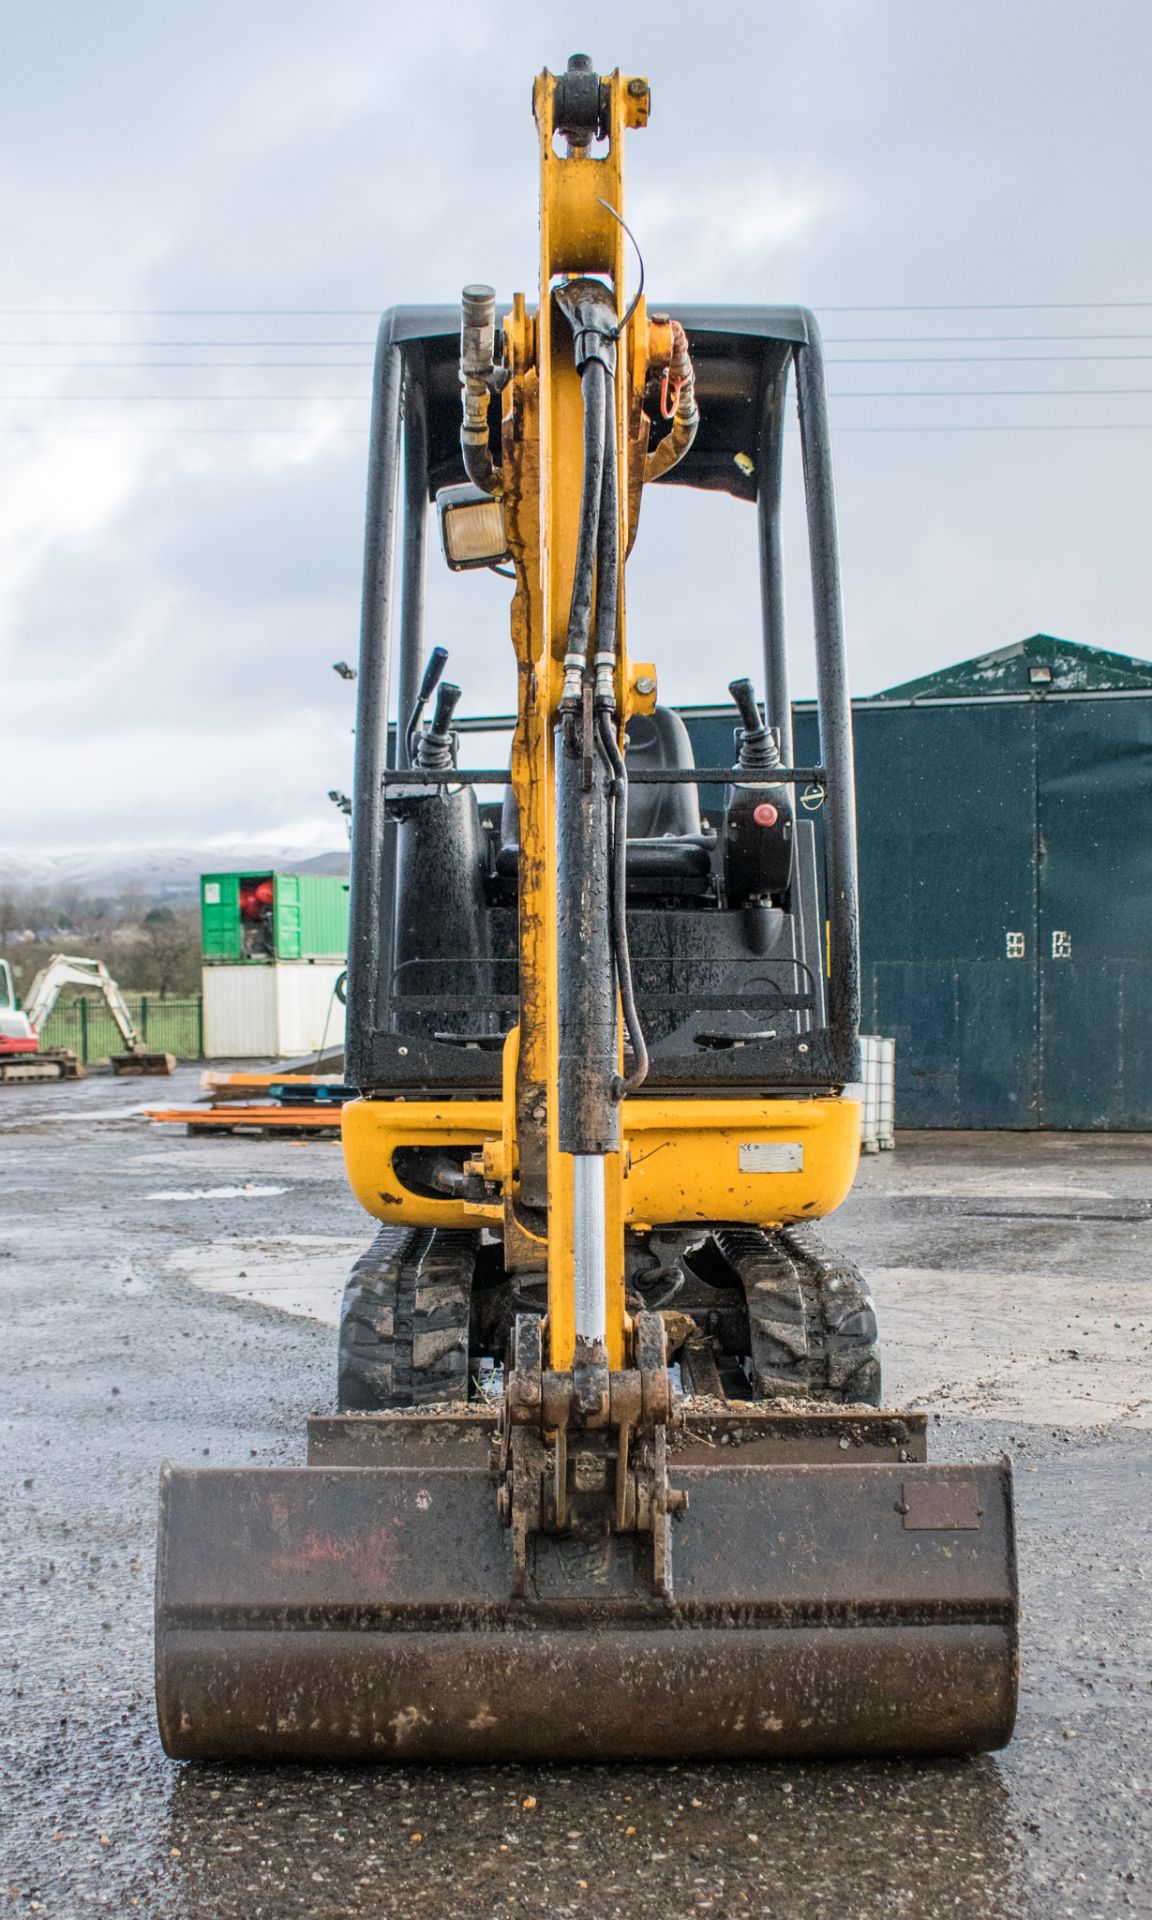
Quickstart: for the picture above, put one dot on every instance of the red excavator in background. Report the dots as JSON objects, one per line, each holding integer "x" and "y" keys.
{"x": 21, "y": 1056}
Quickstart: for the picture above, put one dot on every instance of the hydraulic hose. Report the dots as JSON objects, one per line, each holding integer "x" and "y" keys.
{"x": 626, "y": 1083}
{"x": 607, "y": 562}
{"x": 594, "y": 383}
{"x": 588, "y": 307}
{"x": 590, "y": 310}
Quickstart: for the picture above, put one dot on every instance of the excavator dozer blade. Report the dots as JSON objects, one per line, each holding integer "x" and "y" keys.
{"x": 366, "y": 1613}
{"x": 143, "y": 1063}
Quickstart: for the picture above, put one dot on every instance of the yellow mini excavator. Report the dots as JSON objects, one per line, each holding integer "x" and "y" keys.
{"x": 609, "y": 1476}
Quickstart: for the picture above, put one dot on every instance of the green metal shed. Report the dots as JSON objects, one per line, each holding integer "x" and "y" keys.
{"x": 263, "y": 918}
{"x": 1038, "y": 666}
{"x": 1005, "y": 822}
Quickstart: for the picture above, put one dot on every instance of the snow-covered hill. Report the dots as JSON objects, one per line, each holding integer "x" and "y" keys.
{"x": 167, "y": 873}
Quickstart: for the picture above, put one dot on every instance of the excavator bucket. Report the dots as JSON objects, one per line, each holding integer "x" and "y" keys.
{"x": 831, "y": 1594}
{"x": 143, "y": 1062}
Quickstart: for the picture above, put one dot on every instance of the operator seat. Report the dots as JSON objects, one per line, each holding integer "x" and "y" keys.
{"x": 665, "y": 843}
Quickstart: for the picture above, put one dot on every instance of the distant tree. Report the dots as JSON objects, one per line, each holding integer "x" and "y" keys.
{"x": 147, "y": 945}
{"x": 170, "y": 939}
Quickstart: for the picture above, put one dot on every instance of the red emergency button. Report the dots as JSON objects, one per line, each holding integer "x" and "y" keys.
{"x": 765, "y": 814}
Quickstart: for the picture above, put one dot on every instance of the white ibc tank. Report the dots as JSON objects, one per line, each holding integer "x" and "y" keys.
{"x": 877, "y": 1093}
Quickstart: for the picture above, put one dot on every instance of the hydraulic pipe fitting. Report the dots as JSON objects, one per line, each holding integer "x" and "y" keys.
{"x": 477, "y": 380}
{"x": 590, "y": 311}
{"x": 477, "y": 330}
{"x": 686, "y": 418}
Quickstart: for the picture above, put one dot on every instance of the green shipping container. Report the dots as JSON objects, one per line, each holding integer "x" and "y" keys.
{"x": 220, "y": 937}
{"x": 266, "y": 917}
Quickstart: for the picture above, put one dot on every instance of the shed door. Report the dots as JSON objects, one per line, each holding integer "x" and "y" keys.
{"x": 287, "y": 911}
{"x": 220, "y": 916}
{"x": 949, "y": 909}
{"x": 1094, "y": 777}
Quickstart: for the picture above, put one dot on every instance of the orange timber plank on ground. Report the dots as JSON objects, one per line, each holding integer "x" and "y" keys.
{"x": 318, "y": 1119}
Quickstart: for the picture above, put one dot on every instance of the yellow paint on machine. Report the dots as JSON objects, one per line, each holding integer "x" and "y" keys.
{"x": 682, "y": 1161}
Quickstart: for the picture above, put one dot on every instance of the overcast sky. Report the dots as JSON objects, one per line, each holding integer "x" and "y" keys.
{"x": 181, "y": 492}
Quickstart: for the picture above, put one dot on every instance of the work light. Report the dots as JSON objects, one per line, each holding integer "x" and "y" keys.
{"x": 471, "y": 527}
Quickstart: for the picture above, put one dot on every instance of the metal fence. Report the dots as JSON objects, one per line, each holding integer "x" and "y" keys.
{"x": 167, "y": 1025}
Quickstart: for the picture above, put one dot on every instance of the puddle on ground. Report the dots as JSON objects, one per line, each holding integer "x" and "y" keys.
{"x": 301, "y": 1274}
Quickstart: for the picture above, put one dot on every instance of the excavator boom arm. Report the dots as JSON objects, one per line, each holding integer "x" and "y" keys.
{"x": 68, "y": 970}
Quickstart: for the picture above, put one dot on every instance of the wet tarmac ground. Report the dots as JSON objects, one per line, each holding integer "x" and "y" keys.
{"x": 1033, "y": 1257}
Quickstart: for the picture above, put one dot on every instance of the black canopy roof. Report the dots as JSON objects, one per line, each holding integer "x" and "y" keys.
{"x": 739, "y": 354}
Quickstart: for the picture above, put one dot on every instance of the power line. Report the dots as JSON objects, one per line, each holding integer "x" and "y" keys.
{"x": 839, "y": 340}
{"x": 258, "y": 432}
{"x": 972, "y": 359}
{"x": 363, "y": 313}
{"x": 231, "y": 366}
{"x": 958, "y": 393}
{"x": 226, "y": 399}
{"x": 1016, "y": 426}
{"x": 997, "y": 306}
{"x": 254, "y": 433}
{"x": 205, "y": 313}
{"x": 358, "y": 366}
{"x": 363, "y": 399}
{"x": 971, "y": 339}
{"x": 187, "y": 343}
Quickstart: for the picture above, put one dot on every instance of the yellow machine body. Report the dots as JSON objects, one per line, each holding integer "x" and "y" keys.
{"x": 684, "y": 1161}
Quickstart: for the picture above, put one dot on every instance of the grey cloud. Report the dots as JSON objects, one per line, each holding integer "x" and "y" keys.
{"x": 848, "y": 150}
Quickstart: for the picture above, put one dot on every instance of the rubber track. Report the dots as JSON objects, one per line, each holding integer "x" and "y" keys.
{"x": 404, "y": 1321}
{"x": 811, "y": 1319}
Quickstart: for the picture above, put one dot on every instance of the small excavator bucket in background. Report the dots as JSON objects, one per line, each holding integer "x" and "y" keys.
{"x": 831, "y": 1594}
{"x": 142, "y": 1062}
